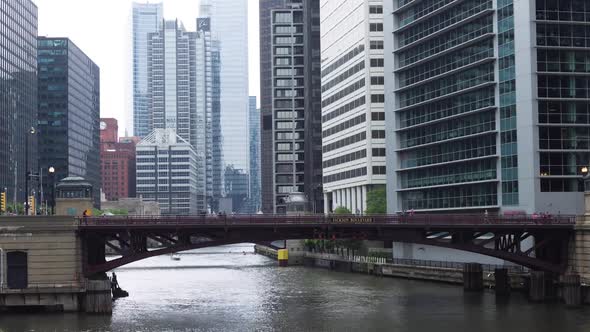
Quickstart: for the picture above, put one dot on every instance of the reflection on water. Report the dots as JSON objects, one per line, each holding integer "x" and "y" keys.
{"x": 221, "y": 289}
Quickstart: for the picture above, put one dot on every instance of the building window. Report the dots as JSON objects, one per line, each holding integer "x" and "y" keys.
{"x": 376, "y": 27}
{"x": 375, "y": 9}
{"x": 377, "y": 63}
{"x": 377, "y": 80}
{"x": 378, "y": 98}
{"x": 376, "y": 44}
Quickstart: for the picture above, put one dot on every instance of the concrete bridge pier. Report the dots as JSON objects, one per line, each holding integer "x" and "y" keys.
{"x": 571, "y": 289}
{"x": 98, "y": 297}
{"x": 541, "y": 286}
{"x": 502, "y": 282}
{"x": 473, "y": 277}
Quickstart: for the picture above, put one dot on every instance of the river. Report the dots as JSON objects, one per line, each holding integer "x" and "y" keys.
{"x": 222, "y": 289}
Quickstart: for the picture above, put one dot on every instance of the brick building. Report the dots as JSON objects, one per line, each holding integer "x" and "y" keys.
{"x": 117, "y": 162}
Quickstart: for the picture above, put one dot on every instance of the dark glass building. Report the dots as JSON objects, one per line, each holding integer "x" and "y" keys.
{"x": 18, "y": 95}
{"x": 291, "y": 145}
{"x": 69, "y": 112}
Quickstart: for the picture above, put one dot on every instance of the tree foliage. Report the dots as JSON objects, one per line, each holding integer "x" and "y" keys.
{"x": 342, "y": 210}
{"x": 377, "y": 201}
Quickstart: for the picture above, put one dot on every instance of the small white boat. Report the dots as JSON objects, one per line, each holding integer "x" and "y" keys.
{"x": 175, "y": 257}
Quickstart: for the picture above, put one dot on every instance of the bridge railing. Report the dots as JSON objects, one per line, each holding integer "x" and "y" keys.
{"x": 417, "y": 219}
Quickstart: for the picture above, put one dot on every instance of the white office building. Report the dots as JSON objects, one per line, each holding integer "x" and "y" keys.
{"x": 166, "y": 168}
{"x": 353, "y": 117}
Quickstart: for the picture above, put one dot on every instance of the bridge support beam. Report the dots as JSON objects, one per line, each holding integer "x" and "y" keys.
{"x": 502, "y": 282}
{"x": 472, "y": 277}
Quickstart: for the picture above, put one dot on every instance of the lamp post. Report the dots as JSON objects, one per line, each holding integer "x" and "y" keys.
{"x": 51, "y": 171}
{"x": 27, "y": 173}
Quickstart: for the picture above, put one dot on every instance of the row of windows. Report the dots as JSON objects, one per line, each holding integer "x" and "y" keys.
{"x": 452, "y": 61}
{"x": 342, "y": 77}
{"x": 344, "y": 59}
{"x": 562, "y": 185}
{"x": 577, "y": 112}
{"x": 465, "y": 149}
{"x": 448, "y": 107}
{"x": 346, "y": 141}
{"x": 420, "y": 9}
{"x": 443, "y": 20}
{"x": 345, "y": 158}
{"x": 563, "y": 10}
{"x": 344, "y": 125}
{"x": 463, "y": 80}
{"x": 560, "y": 138}
{"x": 454, "y": 197}
{"x": 447, "y": 40}
{"x": 469, "y": 125}
{"x": 565, "y": 35}
{"x": 344, "y": 109}
{"x": 563, "y": 163}
{"x": 479, "y": 170}
{"x": 563, "y": 86}
{"x": 563, "y": 61}
{"x": 353, "y": 173}
{"x": 344, "y": 92}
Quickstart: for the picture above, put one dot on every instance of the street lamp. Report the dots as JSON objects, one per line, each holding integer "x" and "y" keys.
{"x": 27, "y": 171}
{"x": 51, "y": 171}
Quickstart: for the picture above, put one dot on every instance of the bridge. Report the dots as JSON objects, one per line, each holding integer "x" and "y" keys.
{"x": 539, "y": 243}
{"x": 61, "y": 261}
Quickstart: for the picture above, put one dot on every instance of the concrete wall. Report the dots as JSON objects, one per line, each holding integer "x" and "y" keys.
{"x": 54, "y": 252}
{"x": 431, "y": 253}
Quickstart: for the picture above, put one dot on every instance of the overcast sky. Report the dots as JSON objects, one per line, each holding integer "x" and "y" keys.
{"x": 102, "y": 29}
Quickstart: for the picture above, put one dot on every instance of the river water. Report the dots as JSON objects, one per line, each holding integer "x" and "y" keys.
{"x": 223, "y": 289}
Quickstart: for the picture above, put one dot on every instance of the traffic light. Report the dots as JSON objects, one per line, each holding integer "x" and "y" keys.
{"x": 32, "y": 208}
{"x": 3, "y": 201}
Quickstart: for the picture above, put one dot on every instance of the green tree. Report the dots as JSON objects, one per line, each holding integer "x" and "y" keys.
{"x": 377, "y": 201}
{"x": 342, "y": 210}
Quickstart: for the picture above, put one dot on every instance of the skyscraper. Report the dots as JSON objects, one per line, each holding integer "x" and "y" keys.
{"x": 254, "y": 130}
{"x": 291, "y": 103}
{"x": 229, "y": 23}
{"x": 18, "y": 94}
{"x": 353, "y": 118}
{"x": 147, "y": 18}
{"x": 488, "y": 108}
{"x": 69, "y": 112}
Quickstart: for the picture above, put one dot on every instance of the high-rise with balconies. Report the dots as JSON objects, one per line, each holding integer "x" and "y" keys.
{"x": 291, "y": 103}
{"x": 487, "y": 107}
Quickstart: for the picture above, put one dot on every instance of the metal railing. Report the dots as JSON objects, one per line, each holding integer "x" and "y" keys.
{"x": 515, "y": 269}
{"x": 396, "y": 219}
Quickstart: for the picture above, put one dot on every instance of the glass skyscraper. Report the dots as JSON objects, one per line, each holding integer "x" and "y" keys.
{"x": 254, "y": 120}
{"x": 147, "y": 18}
{"x": 229, "y": 24}
{"x": 69, "y": 112}
{"x": 488, "y": 105}
{"x": 18, "y": 94}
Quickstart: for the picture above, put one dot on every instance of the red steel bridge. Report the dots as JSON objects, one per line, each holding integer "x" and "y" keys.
{"x": 539, "y": 243}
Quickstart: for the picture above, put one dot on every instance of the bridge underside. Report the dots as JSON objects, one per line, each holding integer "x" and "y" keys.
{"x": 536, "y": 248}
